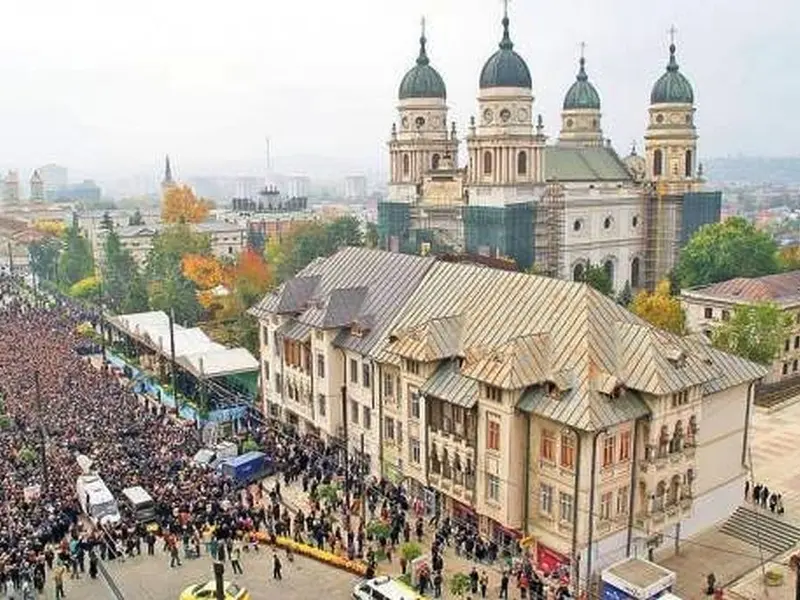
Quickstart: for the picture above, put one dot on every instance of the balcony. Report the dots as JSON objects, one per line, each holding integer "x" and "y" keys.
{"x": 453, "y": 444}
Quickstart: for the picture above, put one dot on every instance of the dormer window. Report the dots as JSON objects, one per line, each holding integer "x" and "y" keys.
{"x": 412, "y": 366}
{"x": 495, "y": 394}
{"x": 551, "y": 389}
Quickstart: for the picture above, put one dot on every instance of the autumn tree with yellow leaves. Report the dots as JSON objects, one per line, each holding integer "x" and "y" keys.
{"x": 181, "y": 205}
{"x": 661, "y": 309}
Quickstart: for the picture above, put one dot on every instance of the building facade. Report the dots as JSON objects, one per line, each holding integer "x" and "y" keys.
{"x": 708, "y": 306}
{"x": 537, "y": 410}
{"x": 37, "y": 188}
{"x": 556, "y": 207}
{"x": 11, "y": 188}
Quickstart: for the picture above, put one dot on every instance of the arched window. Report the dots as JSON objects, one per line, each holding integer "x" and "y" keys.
{"x": 635, "y": 273}
{"x": 658, "y": 500}
{"x": 688, "y": 164}
{"x": 578, "y": 272}
{"x": 522, "y": 163}
{"x": 658, "y": 162}
{"x": 487, "y": 163}
{"x": 609, "y": 268}
{"x": 406, "y": 164}
{"x": 674, "y": 490}
{"x": 435, "y": 162}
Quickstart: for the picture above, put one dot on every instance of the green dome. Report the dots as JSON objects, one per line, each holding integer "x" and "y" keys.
{"x": 672, "y": 86}
{"x": 505, "y": 68}
{"x": 422, "y": 81}
{"x": 582, "y": 94}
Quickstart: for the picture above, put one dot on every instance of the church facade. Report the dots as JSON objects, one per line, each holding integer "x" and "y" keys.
{"x": 553, "y": 207}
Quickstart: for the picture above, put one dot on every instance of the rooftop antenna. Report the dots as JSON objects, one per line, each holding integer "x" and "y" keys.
{"x": 422, "y": 25}
{"x": 269, "y": 160}
{"x": 505, "y": 9}
{"x": 582, "y": 46}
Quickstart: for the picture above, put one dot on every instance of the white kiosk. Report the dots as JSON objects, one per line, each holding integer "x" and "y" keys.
{"x": 637, "y": 579}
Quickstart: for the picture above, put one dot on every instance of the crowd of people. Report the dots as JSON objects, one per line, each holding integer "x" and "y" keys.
{"x": 57, "y": 405}
{"x": 760, "y": 495}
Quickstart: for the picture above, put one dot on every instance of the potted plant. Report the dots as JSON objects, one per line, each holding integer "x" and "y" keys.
{"x": 773, "y": 578}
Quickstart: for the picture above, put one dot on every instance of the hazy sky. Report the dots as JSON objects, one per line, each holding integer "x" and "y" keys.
{"x": 107, "y": 87}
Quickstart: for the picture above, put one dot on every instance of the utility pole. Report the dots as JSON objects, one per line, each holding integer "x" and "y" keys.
{"x": 42, "y": 435}
{"x": 219, "y": 571}
{"x": 346, "y": 450}
{"x": 361, "y": 481}
{"x": 102, "y": 327}
{"x": 172, "y": 359}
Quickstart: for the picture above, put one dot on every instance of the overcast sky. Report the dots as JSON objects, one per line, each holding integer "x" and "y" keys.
{"x": 107, "y": 87}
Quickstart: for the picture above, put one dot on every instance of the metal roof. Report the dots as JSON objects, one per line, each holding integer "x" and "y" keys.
{"x": 591, "y": 163}
{"x": 566, "y": 407}
{"x": 782, "y": 288}
{"x": 519, "y": 330}
{"x": 218, "y": 362}
{"x": 354, "y": 287}
{"x": 448, "y": 384}
{"x": 436, "y": 339}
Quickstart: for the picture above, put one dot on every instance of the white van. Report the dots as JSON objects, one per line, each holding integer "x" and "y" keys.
{"x": 383, "y": 588}
{"x": 210, "y": 457}
{"x": 140, "y": 503}
{"x": 96, "y": 500}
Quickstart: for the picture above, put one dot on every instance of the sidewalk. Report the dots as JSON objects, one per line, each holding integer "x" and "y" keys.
{"x": 293, "y": 498}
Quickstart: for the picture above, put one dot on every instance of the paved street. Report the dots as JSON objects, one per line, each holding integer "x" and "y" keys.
{"x": 776, "y": 463}
{"x": 150, "y": 578}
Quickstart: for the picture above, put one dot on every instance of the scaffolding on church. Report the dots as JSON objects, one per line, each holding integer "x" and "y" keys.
{"x": 550, "y": 228}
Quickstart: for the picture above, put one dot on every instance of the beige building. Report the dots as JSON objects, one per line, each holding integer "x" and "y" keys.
{"x": 227, "y": 239}
{"x": 535, "y": 408}
{"x": 708, "y": 306}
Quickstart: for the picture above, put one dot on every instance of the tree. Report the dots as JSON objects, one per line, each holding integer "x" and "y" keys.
{"x": 598, "y": 277}
{"x": 789, "y": 258}
{"x": 123, "y": 287}
{"x": 344, "y": 231}
{"x": 87, "y": 288}
{"x": 181, "y": 205}
{"x": 107, "y": 222}
{"x": 252, "y": 278}
{"x": 661, "y": 309}
{"x": 76, "y": 261}
{"x": 625, "y": 297}
{"x": 205, "y": 271}
{"x": 721, "y": 251}
{"x": 460, "y": 584}
{"x": 371, "y": 237}
{"x": 176, "y": 292}
{"x": 754, "y": 331}
{"x": 44, "y": 257}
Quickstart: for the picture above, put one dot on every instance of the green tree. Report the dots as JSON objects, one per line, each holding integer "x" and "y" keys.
{"x": 371, "y": 237}
{"x": 76, "y": 261}
{"x": 721, "y": 251}
{"x": 344, "y": 231}
{"x": 625, "y": 297}
{"x": 659, "y": 308}
{"x": 459, "y": 584}
{"x": 598, "y": 277}
{"x": 107, "y": 222}
{"x": 136, "y": 299}
{"x": 754, "y": 331}
{"x": 44, "y": 257}
{"x": 168, "y": 287}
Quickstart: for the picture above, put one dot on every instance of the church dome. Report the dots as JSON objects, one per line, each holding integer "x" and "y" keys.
{"x": 505, "y": 68}
{"x": 582, "y": 94}
{"x": 672, "y": 87}
{"x": 422, "y": 81}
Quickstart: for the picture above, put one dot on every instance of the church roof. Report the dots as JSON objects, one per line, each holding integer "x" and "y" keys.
{"x": 422, "y": 81}
{"x": 505, "y": 68}
{"x": 672, "y": 86}
{"x": 594, "y": 163}
{"x": 582, "y": 94}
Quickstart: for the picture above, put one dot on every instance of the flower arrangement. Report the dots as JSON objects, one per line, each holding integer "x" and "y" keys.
{"x": 342, "y": 562}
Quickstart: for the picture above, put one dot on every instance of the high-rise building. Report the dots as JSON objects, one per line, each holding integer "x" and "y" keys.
{"x": 298, "y": 186}
{"x": 37, "y": 188}
{"x": 54, "y": 178}
{"x": 11, "y": 188}
{"x": 355, "y": 188}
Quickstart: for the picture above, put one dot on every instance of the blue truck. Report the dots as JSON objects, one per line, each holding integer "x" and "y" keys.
{"x": 246, "y": 468}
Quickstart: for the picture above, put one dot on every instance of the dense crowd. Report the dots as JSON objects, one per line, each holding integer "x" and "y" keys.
{"x": 83, "y": 410}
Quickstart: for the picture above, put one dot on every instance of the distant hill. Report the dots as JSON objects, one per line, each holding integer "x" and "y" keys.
{"x": 753, "y": 170}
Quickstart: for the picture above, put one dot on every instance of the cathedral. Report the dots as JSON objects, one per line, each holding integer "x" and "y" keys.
{"x": 553, "y": 207}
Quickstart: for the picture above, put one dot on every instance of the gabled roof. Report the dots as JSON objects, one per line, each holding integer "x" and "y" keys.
{"x": 353, "y": 287}
{"x": 433, "y": 340}
{"x": 782, "y": 288}
{"x": 520, "y": 331}
{"x": 578, "y": 164}
{"x": 447, "y": 383}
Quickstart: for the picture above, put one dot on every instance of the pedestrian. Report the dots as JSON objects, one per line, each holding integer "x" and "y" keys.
{"x": 437, "y": 584}
{"x": 504, "y": 586}
{"x": 236, "y": 555}
{"x": 276, "y": 567}
{"x": 711, "y": 584}
{"x": 58, "y": 580}
{"x": 773, "y": 501}
{"x": 174, "y": 556}
{"x": 764, "y": 496}
{"x": 780, "y": 504}
{"x": 473, "y": 580}
{"x": 747, "y": 490}
{"x": 484, "y": 584}
{"x": 757, "y": 494}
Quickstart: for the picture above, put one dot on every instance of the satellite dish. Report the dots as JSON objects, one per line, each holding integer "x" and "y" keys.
{"x": 209, "y": 434}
